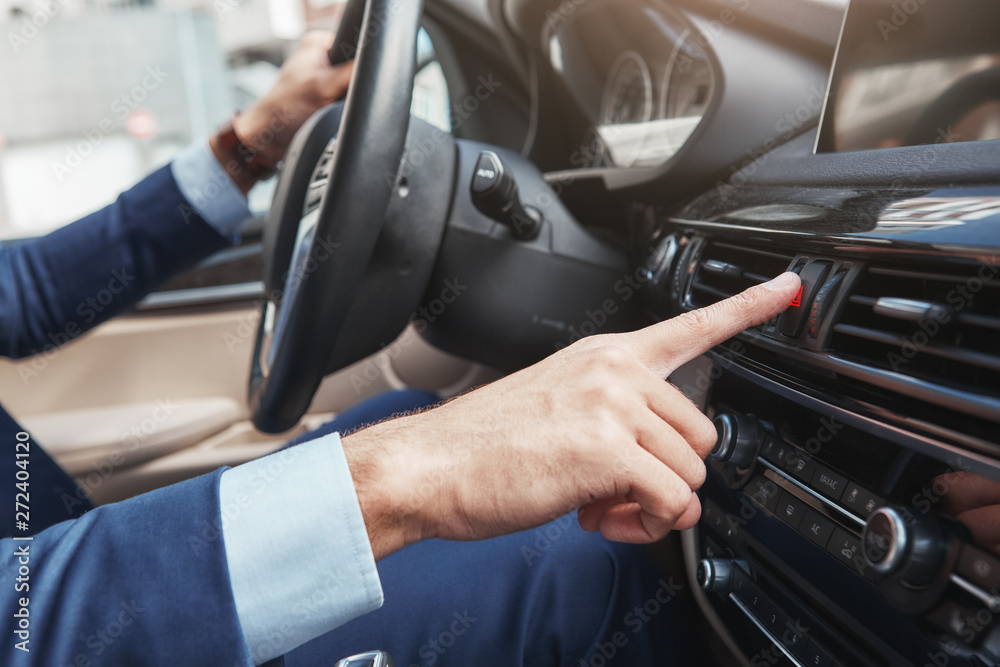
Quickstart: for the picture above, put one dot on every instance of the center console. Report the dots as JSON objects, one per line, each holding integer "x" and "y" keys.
{"x": 851, "y": 514}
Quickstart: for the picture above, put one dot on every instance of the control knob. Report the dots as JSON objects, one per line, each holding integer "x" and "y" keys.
{"x": 737, "y": 439}
{"x": 715, "y": 575}
{"x": 897, "y": 543}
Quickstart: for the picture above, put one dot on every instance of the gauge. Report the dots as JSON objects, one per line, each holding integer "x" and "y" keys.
{"x": 628, "y": 91}
{"x": 687, "y": 83}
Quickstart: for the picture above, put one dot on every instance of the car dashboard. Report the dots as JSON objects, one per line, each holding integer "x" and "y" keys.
{"x": 851, "y": 514}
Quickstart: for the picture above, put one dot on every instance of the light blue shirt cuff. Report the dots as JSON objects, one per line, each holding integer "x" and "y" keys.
{"x": 209, "y": 190}
{"x": 299, "y": 558}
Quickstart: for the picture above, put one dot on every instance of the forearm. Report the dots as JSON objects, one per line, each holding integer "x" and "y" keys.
{"x": 55, "y": 288}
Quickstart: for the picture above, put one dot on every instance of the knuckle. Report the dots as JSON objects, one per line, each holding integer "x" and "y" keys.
{"x": 676, "y": 503}
{"x": 743, "y": 300}
{"x": 588, "y": 343}
{"x": 609, "y": 357}
{"x": 616, "y": 396}
{"x": 696, "y": 320}
{"x": 706, "y": 437}
{"x": 697, "y": 475}
{"x": 606, "y": 429}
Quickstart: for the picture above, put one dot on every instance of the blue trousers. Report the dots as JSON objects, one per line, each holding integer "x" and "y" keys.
{"x": 554, "y": 595}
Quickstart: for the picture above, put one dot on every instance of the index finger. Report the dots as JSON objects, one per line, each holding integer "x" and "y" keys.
{"x": 664, "y": 346}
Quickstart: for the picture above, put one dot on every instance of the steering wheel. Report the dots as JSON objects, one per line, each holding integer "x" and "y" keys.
{"x": 350, "y": 156}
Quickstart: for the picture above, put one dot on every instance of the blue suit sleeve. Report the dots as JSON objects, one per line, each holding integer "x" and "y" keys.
{"x": 143, "y": 581}
{"x": 55, "y": 288}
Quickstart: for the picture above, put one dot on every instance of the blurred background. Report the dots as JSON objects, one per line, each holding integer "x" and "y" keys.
{"x": 121, "y": 85}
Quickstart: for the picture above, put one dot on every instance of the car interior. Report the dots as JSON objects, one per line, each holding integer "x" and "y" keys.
{"x": 514, "y": 175}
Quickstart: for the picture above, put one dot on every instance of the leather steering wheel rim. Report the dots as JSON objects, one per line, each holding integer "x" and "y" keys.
{"x": 369, "y": 149}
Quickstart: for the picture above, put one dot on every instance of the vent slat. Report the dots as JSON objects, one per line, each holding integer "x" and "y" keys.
{"x": 725, "y": 269}
{"x": 984, "y": 321}
{"x": 943, "y": 351}
{"x": 955, "y": 278}
{"x": 955, "y": 345}
{"x": 702, "y": 287}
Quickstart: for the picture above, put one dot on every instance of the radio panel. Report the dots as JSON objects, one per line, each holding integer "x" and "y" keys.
{"x": 811, "y": 522}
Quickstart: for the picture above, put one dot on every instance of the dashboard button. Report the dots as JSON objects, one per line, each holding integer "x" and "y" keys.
{"x": 817, "y": 528}
{"x": 778, "y": 451}
{"x": 847, "y": 549}
{"x": 743, "y": 586}
{"x": 772, "y": 617}
{"x": 713, "y": 515}
{"x": 829, "y": 483}
{"x": 822, "y": 300}
{"x": 791, "y": 321}
{"x": 979, "y": 568}
{"x": 755, "y": 601}
{"x": 790, "y": 509}
{"x": 764, "y": 492}
{"x": 956, "y": 619}
{"x": 815, "y": 655}
{"x": 794, "y": 636}
{"x": 769, "y": 448}
{"x": 860, "y": 501}
{"x": 800, "y": 464}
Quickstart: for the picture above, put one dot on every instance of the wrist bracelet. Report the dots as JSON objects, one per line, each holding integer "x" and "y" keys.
{"x": 239, "y": 159}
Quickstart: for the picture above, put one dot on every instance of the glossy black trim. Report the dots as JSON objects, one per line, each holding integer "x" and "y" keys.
{"x": 955, "y": 455}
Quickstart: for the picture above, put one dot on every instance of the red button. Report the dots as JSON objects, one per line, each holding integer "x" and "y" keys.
{"x": 797, "y": 301}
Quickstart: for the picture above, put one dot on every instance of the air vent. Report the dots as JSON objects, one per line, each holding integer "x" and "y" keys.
{"x": 936, "y": 323}
{"x": 726, "y": 269}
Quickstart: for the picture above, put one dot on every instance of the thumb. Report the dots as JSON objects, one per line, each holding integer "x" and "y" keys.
{"x": 664, "y": 346}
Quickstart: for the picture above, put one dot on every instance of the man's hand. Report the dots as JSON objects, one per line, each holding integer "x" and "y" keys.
{"x": 593, "y": 428}
{"x": 975, "y": 502}
{"x": 306, "y": 84}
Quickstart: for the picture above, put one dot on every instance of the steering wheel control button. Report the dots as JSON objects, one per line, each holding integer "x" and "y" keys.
{"x": 737, "y": 439}
{"x": 860, "y": 501}
{"x": 791, "y": 321}
{"x": 494, "y": 192}
{"x": 905, "y": 545}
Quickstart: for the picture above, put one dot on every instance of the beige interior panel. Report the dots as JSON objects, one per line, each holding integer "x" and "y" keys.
{"x": 125, "y": 435}
{"x": 86, "y": 403}
{"x": 141, "y": 359}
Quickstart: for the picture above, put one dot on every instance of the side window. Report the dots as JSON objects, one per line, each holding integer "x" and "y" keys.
{"x": 430, "y": 89}
{"x": 96, "y": 97}
{"x": 105, "y": 93}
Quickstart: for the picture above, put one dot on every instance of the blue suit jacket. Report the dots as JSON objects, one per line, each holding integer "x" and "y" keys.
{"x": 144, "y": 581}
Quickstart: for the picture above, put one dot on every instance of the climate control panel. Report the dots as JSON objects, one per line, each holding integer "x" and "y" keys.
{"x": 810, "y": 522}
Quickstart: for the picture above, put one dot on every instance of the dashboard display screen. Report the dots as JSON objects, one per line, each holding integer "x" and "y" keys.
{"x": 913, "y": 72}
